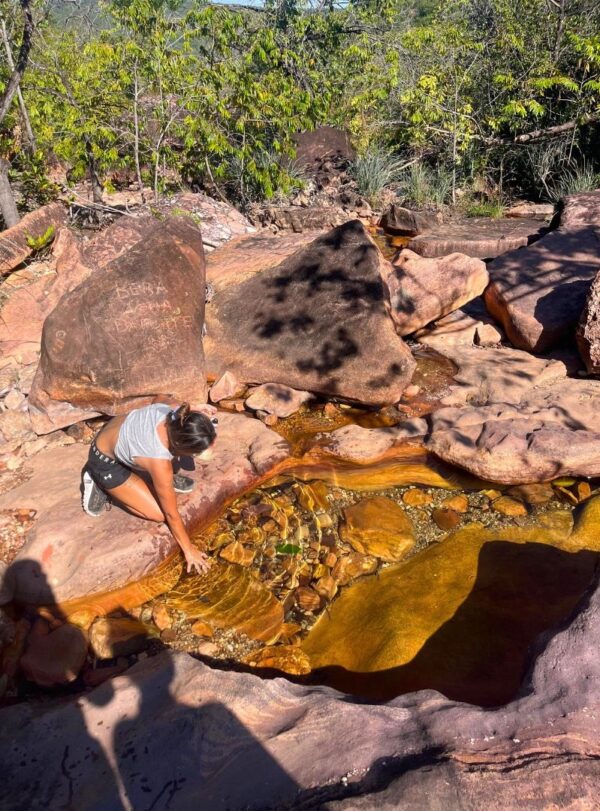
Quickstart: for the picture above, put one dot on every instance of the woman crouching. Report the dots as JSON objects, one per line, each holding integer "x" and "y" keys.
{"x": 148, "y": 439}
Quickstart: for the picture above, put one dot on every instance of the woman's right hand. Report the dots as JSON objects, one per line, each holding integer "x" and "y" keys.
{"x": 197, "y": 559}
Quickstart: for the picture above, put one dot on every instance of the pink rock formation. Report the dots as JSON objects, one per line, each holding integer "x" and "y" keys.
{"x": 423, "y": 290}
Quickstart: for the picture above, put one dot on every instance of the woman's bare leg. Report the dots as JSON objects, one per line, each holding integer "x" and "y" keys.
{"x": 136, "y": 496}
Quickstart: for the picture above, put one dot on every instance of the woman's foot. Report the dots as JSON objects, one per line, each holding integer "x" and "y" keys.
{"x": 182, "y": 484}
{"x": 94, "y": 499}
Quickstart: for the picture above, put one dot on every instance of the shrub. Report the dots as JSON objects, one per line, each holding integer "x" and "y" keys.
{"x": 376, "y": 170}
{"x": 579, "y": 178}
{"x": 424, "y": 187}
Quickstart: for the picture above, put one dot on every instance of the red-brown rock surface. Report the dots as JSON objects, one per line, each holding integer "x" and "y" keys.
{"x": 550, "y": 432}
{"x": 423, "y": 290}
{"x": 273, "y": 398}
{"x": 129, "y": 333}
{"x": 538, "y": 294}
{"x": 588, "y": 329}
{"x": 268, "y": 744}
{"x": 14, "y": 245}
{"x": 68, "y": 555}
{"x": 54, "y": 656}
{"x": 402, "y": 221}
{"x": 480, "y": 237}
{"x": 316, "y": 322}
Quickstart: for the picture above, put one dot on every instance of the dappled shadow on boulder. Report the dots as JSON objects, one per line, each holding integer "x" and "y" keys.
{"x": 317, "y": 321}
{"x": 481, "y": 654}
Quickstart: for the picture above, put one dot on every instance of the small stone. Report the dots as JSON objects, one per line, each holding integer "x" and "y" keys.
{"x": 168, "y": 635}
{"x": 308, "y": 599}
{"x": 326, "y": 587}
{"x": 232, "y": 405}
{"x": 200, "y": 628}
{"x": 14, "y": 399}
{"x": 459, "y": 503}
{"x": 446, "y": 519}
{"x": 287, "y": 658}
{"x": 161, "y": 616}
{"x": 238, "y": 553}
{"x": 324, "y": 521}
{"x": 532, "y": 493}
{"x": 320, "y": 570}
{"x": 416, "y": 498}
{"x": 267, "y": 419}
{"x": 491, "y": 494}
{"x": 505, "y": 505}
{"x": 54, "y": 657}
{"x": 289, "y": 629}
{"x": 117, "y": 636}
{"x": 583, "y": 490}
{"x": 353, "y": 565}
{"x": 331, "y": 411}
{"x": 411, "y": 391}
{"x": 207, "y": 649}
{"x": 226, "y": 386}
{"x": 13, "y": 463}
{"x": 330, "y": 560}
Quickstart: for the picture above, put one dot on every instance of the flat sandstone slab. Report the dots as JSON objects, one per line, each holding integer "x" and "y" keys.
{"x": 316, "y": 322}
{"x": 480, "y": 237}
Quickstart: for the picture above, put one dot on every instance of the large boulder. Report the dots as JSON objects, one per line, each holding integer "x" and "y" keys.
{"x": 129, "y": 333}
{"x": 31, "y": 293}
{"x": 400, "y": 221}
{"x": 423, "y": 290}
{"x": 548, "y": 433}
{"x": 173, "y": 731}
{"x": 316, "y": 322}
{"x": 587, "y": 334}
{"x": 68, "y": 555}
{"x": 220, "y": 221}
{"x": 538, "y": 294}
{"x": 19, "y": 242}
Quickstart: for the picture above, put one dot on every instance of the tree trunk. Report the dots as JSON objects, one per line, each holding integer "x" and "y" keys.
{"x": 95, "y": 180}
{"x": 8, "y": 209}
{"x": 136, "y": 143}
{"x": 24, "y": 114}
{"x": 21, "y": 64}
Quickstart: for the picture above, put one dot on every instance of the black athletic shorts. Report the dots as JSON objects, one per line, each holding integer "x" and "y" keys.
{"x": 106, "y": 472}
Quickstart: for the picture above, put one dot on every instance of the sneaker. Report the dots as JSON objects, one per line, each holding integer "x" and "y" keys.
{"x": 182, "y": 484}
{"x": 94, "y": 499}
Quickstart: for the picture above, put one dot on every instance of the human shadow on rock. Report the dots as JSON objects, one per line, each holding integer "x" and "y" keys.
{"x": 55, "y": 776}
{"x": 129, "y": 744}
{"x": 482, "y": 653}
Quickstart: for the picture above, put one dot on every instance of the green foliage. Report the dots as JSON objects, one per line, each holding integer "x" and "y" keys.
{"x": 574, "y": 180}
{"x": 288, "y": 549}
{"x": 39, "y": 243}
{"x": 376, "y": 170}
{"x": 423, "y": 187}
{"x": 484, "y": 208}
{"x": 181, "y": 91}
